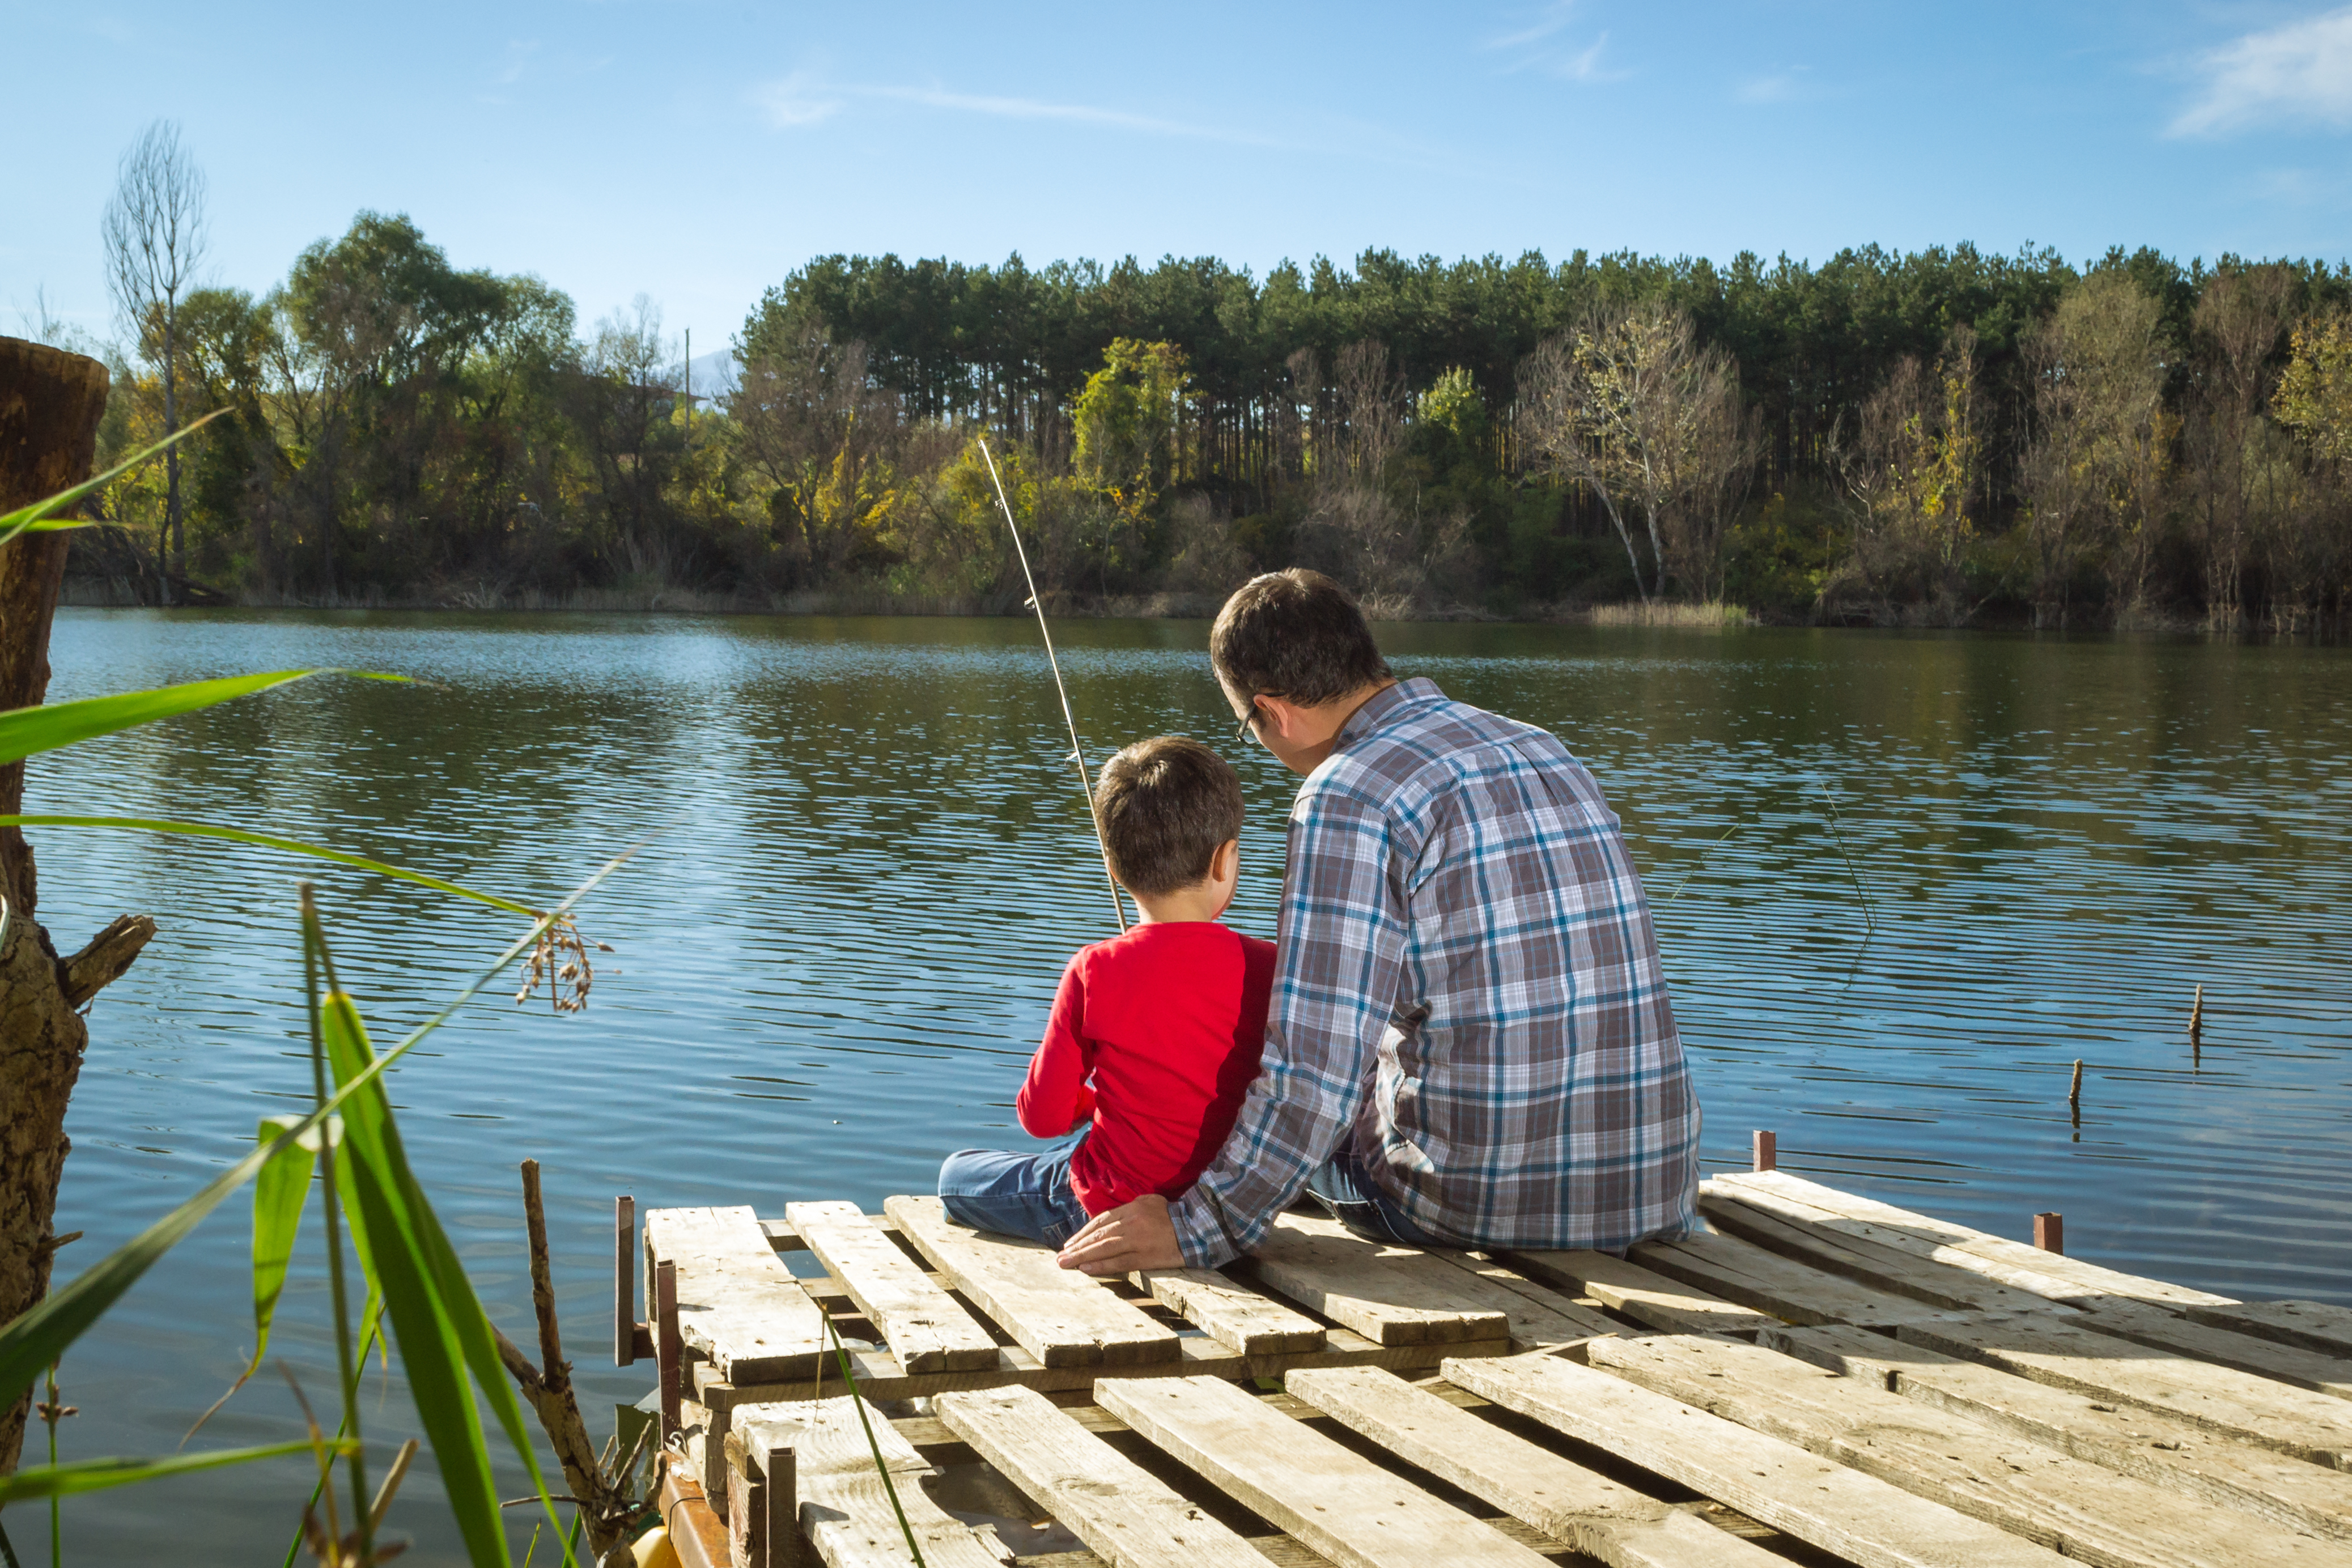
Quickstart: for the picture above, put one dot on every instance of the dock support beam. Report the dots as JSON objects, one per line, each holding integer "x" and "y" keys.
{"x": 625, "y": 1280}
{"x": 2050, "y": 1232}
{"x": 669, "y": 1352}
{"x": 1767, "y": 1152}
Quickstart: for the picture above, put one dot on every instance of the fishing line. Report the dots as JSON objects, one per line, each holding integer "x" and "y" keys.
{"x": 1077, "y": 751}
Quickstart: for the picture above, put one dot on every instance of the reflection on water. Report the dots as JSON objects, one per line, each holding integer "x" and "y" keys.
{"x": 1903, "y": 883}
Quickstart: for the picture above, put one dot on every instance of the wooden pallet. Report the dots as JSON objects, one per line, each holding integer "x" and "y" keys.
{"x": 1834, "y": 1378}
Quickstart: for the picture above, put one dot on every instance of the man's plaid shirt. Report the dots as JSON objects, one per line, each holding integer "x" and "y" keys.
{"x": 1469, "y": 992}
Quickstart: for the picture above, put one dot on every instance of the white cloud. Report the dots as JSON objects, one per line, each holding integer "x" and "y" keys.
{"x": 805, "y": 98}
{"x": 1549, "y": 20}
{"x": 798, "y": 99}
{"x": 1782, "y": 87}
{"x": 2298, "y": 73}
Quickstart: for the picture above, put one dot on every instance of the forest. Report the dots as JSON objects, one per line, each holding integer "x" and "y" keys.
{"x": 1944, "y": 437}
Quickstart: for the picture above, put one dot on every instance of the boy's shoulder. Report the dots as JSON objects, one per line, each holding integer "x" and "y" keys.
{"x": 1156, "y": 946}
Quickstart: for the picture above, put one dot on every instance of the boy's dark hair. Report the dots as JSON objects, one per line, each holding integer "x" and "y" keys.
{"x": 1294, "y": 635}
{"x": 1166, "y": 804}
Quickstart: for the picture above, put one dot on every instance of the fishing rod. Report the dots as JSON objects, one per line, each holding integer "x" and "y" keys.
{"x": 1077, "y": 751}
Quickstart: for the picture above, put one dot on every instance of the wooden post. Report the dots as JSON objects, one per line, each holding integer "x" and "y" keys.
{"x": 2197, "y": 1024}
{"x": 50, "y": 402}
{"x": 669, "y": 1352}
{"x": 625, "y": 1280}
{"x": 1766, "y": 1151}
{"x": 783, "y": 1522}
{"x": 2050, "y": 1232}
{"x": 2075, "y": 1096}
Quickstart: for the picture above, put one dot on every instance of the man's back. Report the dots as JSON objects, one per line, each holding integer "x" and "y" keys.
{"x": 1465, "y": 936}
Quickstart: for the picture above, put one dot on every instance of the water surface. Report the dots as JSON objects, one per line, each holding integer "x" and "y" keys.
{"x": 1903, "y": 883}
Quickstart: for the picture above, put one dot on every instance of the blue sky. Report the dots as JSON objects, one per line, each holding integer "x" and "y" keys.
{"x": 698, "y": 150}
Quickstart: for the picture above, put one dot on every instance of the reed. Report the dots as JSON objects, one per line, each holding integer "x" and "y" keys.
{"x": 346, "y": 1146}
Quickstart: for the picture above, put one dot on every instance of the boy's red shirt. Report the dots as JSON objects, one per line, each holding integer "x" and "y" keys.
{"x": 1169, "y": 1020}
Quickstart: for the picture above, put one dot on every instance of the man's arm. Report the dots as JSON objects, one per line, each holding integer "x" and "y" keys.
{"x": 1335, "y": 990}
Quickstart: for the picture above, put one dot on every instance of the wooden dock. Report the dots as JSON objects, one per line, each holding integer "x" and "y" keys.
{"x": 1822, "y": 1379}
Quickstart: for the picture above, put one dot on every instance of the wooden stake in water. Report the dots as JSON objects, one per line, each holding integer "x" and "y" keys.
{"x": 2074, "y": 1094}
{"x": 2197, "y": 1024}
{"x": 1077, "y": 751}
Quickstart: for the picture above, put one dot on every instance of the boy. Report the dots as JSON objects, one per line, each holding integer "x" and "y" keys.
{"x": 1168, "y": 1020}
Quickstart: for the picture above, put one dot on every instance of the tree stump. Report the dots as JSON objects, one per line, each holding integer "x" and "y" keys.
{"x": 49, "y": 406}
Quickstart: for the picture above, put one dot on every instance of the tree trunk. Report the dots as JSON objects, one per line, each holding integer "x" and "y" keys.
{"x": 50, "y": 407}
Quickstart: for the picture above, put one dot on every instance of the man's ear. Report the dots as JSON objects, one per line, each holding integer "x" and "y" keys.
{"x": 1277, "y": 714}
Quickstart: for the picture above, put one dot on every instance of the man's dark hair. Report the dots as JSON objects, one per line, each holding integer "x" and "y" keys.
{"x": 1166, "y": 804}
{"x": 1295, "y": 634}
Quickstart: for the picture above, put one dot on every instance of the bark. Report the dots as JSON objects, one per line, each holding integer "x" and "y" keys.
{"x": 50, "y": 407}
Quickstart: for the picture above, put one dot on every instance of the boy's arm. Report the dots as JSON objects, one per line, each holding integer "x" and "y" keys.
{"x": 1055, "y": 1097}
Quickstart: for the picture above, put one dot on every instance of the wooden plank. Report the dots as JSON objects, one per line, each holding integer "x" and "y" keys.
{"x": 845, "y": 1509}
{"x": 736, "y": 1304}
{"x": 880, "y": 1379}
{"x": 1541, "y": 1317}
{"x": 2312, "y": 1427}
{"x": 1604, "y": 1519}
{"x": 1857, "y": 1257}
{"x": 2308, "y": 1325}
{"x": 1389, "y": 1294}
{"x": 1125, "y": 1515}
{"x": 2182, "y": 1457}
{"x": 1327, "y": 1495}
{"x": 1798, "y": 1292}
{"x": 1059, "y": 1315}
{"x": 1230, "y": 1313}
{"x": 2070, "y": 1505}
{"x": 2011, "y": 1262}
{"x": 2155, "y": 1326}
{"x": 922, "y": 1325}
{"x": 1860, "y": 1518}
{"x": 1643, "y": 1296}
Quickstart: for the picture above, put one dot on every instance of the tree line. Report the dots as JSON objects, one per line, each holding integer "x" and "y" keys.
{"x": 1943, "y": 437}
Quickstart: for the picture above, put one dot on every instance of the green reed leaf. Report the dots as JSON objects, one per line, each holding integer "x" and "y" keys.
{"x": 434, "y": 1313}
{"x": 279, "y": 1192}
{"x": 41, "y": 513}
{"x": 96, "y": 1475}
{"x": 27, "y": 730}
{"x": 267, "y": 842}
{"x": 40, "y": 1334}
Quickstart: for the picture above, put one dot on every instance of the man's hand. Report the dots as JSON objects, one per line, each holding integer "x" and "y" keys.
{"x": 1127, "y": 1239}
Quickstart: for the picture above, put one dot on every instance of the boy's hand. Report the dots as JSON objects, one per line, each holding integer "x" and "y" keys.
{"x": 1126, "y": 1240}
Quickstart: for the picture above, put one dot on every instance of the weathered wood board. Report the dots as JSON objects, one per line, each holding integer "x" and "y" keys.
{"x": 2070, "y": 1505}
{"x": 1796, "y": 1292}
{"x": 2192, "y": 1461}
{"x": 1540, "y": 1316}
{"x": 1858, "y": 1517}
{"x": 2248, "y": 1352}
{"x": 1604, "y": 1519}
{"x": 845, "y": 1509}
{"x": 1643, "y": 1296}
{"x": 2011, "y": 1262}
{"x": 2308, "y": 1325}
{"x": 2312, "y": 1427}
{"x": 921, "y": 1323}
{"x": 1062, "y": 1317}
{"x": 1125, "y": 1515}
{"x": 736, "y": 1302}
{"x": 1325, "y": 1494}
{"x": 1872, "y": 1263}
{"x": 1389, "y": 1294}
{"x": 1232, "y": 1313}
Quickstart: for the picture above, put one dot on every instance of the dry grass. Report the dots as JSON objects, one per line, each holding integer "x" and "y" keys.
{"x": 1712, "y": 615}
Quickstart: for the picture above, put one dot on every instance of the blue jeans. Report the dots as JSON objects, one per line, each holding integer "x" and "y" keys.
{"x": 1340, "y": 1185}
{"x": 1015, "y": 1194}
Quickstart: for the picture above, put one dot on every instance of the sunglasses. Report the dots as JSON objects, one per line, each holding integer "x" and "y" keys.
{"x": 1246, "y": 731}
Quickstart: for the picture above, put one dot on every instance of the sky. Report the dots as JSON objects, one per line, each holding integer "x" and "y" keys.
{"x": 698, "y": 150}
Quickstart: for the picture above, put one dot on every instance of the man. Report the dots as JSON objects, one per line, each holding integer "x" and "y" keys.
{"x": 1470, "y": 1043}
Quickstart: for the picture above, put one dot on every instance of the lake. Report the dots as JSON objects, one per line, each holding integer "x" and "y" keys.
{"x": 1903, "y": 883}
